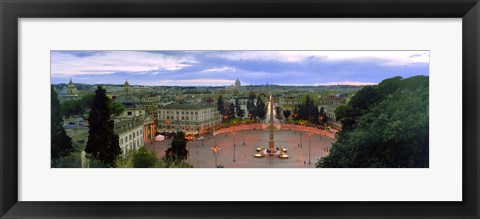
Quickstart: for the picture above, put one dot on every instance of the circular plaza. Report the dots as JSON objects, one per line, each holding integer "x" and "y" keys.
{"x": 237, "y": 149}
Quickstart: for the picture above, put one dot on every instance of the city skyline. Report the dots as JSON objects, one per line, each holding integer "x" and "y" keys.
{"x": 222, "y": 68}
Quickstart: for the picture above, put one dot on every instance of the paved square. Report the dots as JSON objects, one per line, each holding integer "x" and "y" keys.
{"x": 201, "y": 156}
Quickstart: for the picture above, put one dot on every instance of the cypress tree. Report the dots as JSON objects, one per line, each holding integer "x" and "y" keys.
{"x": 231, "y": 111}
{"x": 239, "y": 112}
{"x": 102, "y": 141}
{"x": 61, "y": 142}
{"x": 251, "y": 106}
{"x": 260, "y": 108}
{"x": 220, "y": 106}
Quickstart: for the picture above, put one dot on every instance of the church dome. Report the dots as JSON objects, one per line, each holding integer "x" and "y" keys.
{"x": 237, "y": 83}
{"x": 129, "y": 101}
{"x": 71, "y": 91}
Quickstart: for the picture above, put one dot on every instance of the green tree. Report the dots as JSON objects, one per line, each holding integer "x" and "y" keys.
{"x": 78, "y": 107}
{"x": 239, "y": 111}
{"x": 324, "y": 119}
{"x": 278, "y": 111}
{"x": 295, "y": 112}
{"x": 71, "y": 160}
{"x": 102, "y": 141}
{"x": 392, "y": 130}
{"x": 358, "y": 105}
{"x": 287, "y": 113}
{"x": 144, "y": 159}
{"x": 231, "y": 112}
{"x": 178, "y": 149}
{"x": 260, "y": 109}
{"x": 251, "y": 105}
{"x": 166, "y": 163}
{"x": 61, "y": 142}
{"x": 307, "y": 110}
{"x": 220, "y": 105}
{"x": 81, "y": 107}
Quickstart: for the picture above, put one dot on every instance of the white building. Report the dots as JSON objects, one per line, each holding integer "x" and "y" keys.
{"x": 133, "y": 133}
{"x": 189, "y": 118}
{"x": 243, "y": 105}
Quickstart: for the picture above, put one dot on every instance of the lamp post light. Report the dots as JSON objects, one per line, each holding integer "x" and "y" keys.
{"x": 243, "y": 132}
{"x": 215, "y": 149}
{"x": 234, "y": 133}
{"x": 301, "y": 134}
{"x": 309, "y": 143}
{"x": 300, "y": 139}
{"x": 321, "y": 118}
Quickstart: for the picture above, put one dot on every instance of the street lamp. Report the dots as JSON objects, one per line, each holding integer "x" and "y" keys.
{"x": 215, "y": 149}
{"x": 301, "y": 133}
{"x": 300, "y": 139}
{"x": 309, "y": 142}
{"x": 234, "y": 133}
{"x": 243, "y": 132}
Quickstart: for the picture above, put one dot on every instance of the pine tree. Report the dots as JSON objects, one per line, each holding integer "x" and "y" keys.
{"x": 61, "y": 142}
{"x": 239, "y": 112}
{"x": 102, "y": 141}
{"x": 178, "y": 150}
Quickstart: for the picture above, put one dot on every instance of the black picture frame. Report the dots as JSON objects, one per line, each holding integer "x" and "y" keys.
{"x": 12, "y": 10}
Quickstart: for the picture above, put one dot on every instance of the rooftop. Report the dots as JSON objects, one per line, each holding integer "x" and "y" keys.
{"x": 126, "y": 125}
{"x": 188, "y": 106}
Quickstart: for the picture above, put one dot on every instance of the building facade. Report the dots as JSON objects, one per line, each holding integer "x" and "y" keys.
{"x": 189, "y": 118}
{"x": 133, "y": 133}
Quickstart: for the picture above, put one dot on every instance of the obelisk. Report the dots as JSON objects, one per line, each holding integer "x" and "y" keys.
{"x": 271, "y": 145}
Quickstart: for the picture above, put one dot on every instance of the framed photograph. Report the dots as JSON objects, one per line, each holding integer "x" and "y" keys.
{"x": 172, "y": 109}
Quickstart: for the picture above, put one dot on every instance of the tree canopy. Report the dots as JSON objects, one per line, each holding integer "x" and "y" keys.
{"x": 102, "y": 141}
{"x": 239, "y": 111}
{"x": 384, "y": 126}
{"x": 61, "y": 142}
{"x": 220, "y": 105}
{"x": 144, "y": 159}
{"x": 260, "y": 109}
{"x": 251, "y": 105}
{"x": 81, "y": 107}
{"x": 287, "y": 113}
{"x": 178, "y": 150}
{"x": 307, "y": 110}
{"x": 231, "y": 112}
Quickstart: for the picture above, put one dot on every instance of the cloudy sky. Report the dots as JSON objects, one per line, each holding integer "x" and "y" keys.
{"x": 219, "y": 68}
